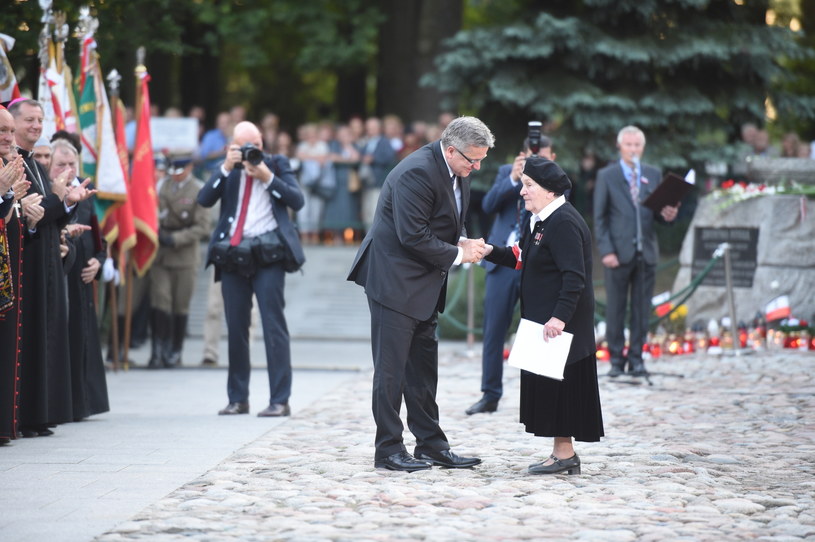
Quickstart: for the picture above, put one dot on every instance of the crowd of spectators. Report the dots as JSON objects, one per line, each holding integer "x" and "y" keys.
{"x": 341, "y": 165}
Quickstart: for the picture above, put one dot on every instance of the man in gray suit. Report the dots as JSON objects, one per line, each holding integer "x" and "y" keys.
{"x": 416, "y": 238}
{"x": 627, "y": 244}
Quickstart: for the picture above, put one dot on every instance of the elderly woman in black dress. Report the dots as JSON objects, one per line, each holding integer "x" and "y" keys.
{"x": 554, "y": 256}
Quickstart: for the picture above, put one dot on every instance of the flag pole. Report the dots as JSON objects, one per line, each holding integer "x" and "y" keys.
{"x": 141, "y": 70}
{"x": 114, "y": 79}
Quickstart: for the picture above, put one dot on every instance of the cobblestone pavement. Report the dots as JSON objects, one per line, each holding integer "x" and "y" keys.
{"x": 724, "y": 452}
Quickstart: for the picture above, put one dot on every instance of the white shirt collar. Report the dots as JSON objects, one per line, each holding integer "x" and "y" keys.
{"x": 547, "y": 211}
{"x": 449, "y": 171}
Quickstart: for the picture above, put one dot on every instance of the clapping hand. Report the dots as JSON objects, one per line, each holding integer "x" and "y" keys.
{"x": 59, "y": 186}
{"x": 75, "y": 230}
{"x": 76, "y": 193}
{"x": 32, "y": 210}
{"x": 11, "y": 173}
{"x": 21, "y": 188}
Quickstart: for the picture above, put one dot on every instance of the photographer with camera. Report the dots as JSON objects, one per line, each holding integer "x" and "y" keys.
{"x": 253, "y": 246}
{"x": 503, "y": 284}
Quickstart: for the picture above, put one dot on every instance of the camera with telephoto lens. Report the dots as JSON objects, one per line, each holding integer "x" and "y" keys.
{"x": 534, "y": 136}
{"x": 251, "y": 154}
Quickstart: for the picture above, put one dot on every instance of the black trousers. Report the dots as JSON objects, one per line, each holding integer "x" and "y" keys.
{"x": 266, "y": 285}
{"x": 634, "y": 280}
{"x": 406, "y": 363}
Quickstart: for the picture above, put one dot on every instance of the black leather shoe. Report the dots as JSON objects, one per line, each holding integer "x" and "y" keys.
{"x": 637, "y": 368}
{"x": 615, "y": 371}
{"x": 275, "y": 410}
{"x": 446, "y": 458}
{"x": 483, "y": 405}
{"x": 402, "y": 461}
{"x": 234, "y": 408}
{"x": 569, "y": 466}
{"x": 209, "y": 362}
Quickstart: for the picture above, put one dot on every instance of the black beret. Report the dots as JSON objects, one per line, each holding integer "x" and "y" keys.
{"x": 547, "y": 174}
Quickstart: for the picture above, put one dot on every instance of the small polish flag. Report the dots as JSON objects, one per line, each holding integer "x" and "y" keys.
{"x": 778, "y": 308}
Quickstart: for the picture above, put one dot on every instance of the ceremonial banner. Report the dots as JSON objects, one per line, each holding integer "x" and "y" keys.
{"x": 8, "y": 81}
{"x": 120, "y": 230}
{"x": 142, "y": 185}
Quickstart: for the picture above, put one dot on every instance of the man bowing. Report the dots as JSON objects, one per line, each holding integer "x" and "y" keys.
{"x": 416, "y": 237}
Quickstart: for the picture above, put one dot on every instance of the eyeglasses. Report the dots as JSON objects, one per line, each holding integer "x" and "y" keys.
{"x": 470, "y": 160}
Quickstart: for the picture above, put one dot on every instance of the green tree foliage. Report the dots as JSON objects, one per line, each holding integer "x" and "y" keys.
{"x": 293, "y": 57}
{"x": 688, "y": 72}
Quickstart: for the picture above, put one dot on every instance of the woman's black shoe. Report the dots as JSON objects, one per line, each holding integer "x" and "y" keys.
{"x": 570, "y": 466}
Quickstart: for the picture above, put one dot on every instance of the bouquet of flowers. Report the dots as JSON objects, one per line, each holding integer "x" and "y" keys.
{"x": 731, "y": 192}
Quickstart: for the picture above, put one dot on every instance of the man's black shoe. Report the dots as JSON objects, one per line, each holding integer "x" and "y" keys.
{"x": 275, "y": 410}
{"x": 446, "y": 458}
{"x": 640, "y": 371}
{"x": 234, "y": 408}
{"x": 402, "y": 461}
{"x": 483, "y": 405}
{"x": 615, "y": 371}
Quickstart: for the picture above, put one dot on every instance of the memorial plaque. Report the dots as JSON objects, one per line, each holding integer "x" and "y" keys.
{"x": 743, "y": 255}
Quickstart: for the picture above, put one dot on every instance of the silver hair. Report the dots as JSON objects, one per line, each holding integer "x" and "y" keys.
{"x": 465, "y": 132}
{"x": 630, "y": 129}
{"x": 65, "y": 145}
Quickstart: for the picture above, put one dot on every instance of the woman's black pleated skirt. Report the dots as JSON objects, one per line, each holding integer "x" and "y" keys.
{"x": 567, "y": 408}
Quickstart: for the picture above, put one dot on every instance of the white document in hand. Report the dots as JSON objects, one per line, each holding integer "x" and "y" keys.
{"x": 531, "y": 353}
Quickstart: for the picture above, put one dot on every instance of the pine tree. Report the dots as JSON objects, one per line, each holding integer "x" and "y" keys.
{"x": 688, "y": 72}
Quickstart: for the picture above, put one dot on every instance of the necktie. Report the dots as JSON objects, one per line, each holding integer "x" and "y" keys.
{"x": 635, "y": 196}
{"x": 633, "y": 186}
{"x": 247, "y": 193}
{"x": 456, "y": 193}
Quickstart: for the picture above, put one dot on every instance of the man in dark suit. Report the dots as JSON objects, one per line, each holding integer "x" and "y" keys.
{"x": 627, "y": 243}
{"x": 503, "y": 284}
{"x": 256, "y": 214}
{"x": 417, "y": 236}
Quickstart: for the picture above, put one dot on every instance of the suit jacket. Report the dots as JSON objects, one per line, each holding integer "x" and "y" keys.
{"x": 615, "y": 221}
{"x": 505, "y": 200}
{"x": 283, "y": 191}
{"x": 404, "y": 259}
{"x": 556, "y": 275}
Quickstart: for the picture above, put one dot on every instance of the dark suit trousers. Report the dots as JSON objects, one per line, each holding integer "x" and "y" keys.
{"x": 634, "y": 279}
{"x": 406, "y": 362}
{"x": 267, "y": 284}
{"x": 503, "y": 288}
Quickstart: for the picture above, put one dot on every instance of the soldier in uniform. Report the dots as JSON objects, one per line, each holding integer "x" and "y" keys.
{"x": 183, "y": 223}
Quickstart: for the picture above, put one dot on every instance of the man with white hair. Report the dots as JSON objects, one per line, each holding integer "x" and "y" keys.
{"x": 416, "y": 238}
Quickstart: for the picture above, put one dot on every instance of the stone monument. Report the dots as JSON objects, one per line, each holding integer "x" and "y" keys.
{"x": 773, "y": 237}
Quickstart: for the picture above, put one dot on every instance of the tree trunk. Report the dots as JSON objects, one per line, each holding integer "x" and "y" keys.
{"x": 409, "y": 40}
{"x": 396, "y": 74}
{"x": 438, "y": 21}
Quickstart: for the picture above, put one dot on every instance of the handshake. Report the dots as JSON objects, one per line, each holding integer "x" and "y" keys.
{"x": 474, "y": 250}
